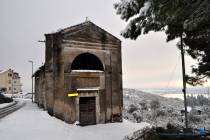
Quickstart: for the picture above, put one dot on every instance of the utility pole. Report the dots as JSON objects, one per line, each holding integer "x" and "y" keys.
{"x": 32, "y": 82}
{"x": 12, "y": 87}
{"x": 184, "y": 80}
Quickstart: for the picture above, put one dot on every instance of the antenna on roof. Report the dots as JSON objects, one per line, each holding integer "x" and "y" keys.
{"x": 87, "y": 19}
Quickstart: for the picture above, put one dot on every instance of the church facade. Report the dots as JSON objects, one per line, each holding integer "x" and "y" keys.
{"x": 81, "y": 79}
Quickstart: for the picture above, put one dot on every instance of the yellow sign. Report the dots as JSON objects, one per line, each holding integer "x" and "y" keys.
{"x": 72, "y": 94}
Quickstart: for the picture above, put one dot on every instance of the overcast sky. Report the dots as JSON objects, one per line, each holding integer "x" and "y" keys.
{"x": 148, "y": 62}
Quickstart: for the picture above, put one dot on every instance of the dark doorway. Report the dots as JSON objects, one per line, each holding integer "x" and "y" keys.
{"x": 87, "y": 107}
{"x": 87, "y": 61}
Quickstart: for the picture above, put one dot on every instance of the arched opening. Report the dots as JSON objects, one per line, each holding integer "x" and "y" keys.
{"x": 87, "y": 61}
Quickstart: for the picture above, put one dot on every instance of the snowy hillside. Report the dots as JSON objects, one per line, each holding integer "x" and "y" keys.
{"x": 162, "y": 110}
{"x": 137, "y": 96}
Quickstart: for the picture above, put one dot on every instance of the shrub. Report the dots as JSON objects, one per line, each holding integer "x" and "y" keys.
{"x": 132, "y": 108}
{"x": 171, "y": 126}
{"x": 4, "y": 99}
{"x": 143, "y": 105}
{"x": 137, "y": 117}
{"x": 161, "y": 113}
{"x": 150, "y": 134}
{"x": 154, "y": 104}
{"x": 194, "y": 119}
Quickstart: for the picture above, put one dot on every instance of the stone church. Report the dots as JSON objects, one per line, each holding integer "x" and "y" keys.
{"x": 81, "y": 79}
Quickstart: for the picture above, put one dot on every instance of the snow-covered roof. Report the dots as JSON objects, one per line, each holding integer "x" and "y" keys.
{"x": 87, "y": 71}
{"x": 3, "y": 71}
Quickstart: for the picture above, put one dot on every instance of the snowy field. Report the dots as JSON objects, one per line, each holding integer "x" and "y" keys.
{"x": 173, "y": 95}
{"x": 177, "y": 92}
{"x": 32, "y": 123}
{"x": 181, "y": 96}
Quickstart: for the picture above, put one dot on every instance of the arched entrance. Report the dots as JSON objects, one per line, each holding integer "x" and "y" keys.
{"x": 87, "y": 61}
{"x": 87, "y": 70}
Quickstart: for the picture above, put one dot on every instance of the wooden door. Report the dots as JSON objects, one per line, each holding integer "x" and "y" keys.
{"x": 87, "y": 107}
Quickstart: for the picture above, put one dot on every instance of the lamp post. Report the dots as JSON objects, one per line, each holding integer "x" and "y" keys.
{"x": 32, "y": 82}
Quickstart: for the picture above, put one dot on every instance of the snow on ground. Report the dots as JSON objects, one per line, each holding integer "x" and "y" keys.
{"x": 173, "y": 95}
{"x": 32, "y": 123}
{"x": 181, "y": 96}
{"x": 6, "y": 104}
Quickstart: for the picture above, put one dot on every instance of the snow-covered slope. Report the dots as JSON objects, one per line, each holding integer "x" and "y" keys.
{"x": 138, "y": 96}
{"x": 134, "y": 98}
{"x": 137, "y": 108}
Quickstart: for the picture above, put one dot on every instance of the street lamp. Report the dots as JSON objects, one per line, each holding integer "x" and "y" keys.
{"x": 32, "y": 87}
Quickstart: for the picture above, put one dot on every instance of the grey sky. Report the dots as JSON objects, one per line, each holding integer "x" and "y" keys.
{"x": 147, "y": 62}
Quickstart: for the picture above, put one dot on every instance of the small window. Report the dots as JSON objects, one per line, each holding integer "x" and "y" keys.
{"x": 9, "y": 88}
{"x": 14, "y": 81}
{"x": 9, "y": 81}
{"x": 9, "y": 75}
{"x": 14, "y": 88}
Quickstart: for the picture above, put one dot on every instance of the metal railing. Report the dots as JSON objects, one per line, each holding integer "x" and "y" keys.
{"x": 137, "y": 135}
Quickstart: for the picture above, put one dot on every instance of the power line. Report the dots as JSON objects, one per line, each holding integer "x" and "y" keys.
{"x": 172, "y": 73}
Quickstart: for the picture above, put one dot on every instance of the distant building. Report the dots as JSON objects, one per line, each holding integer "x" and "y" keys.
{"x": 82, "y": 76}
{"x": 10, "y": 82}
